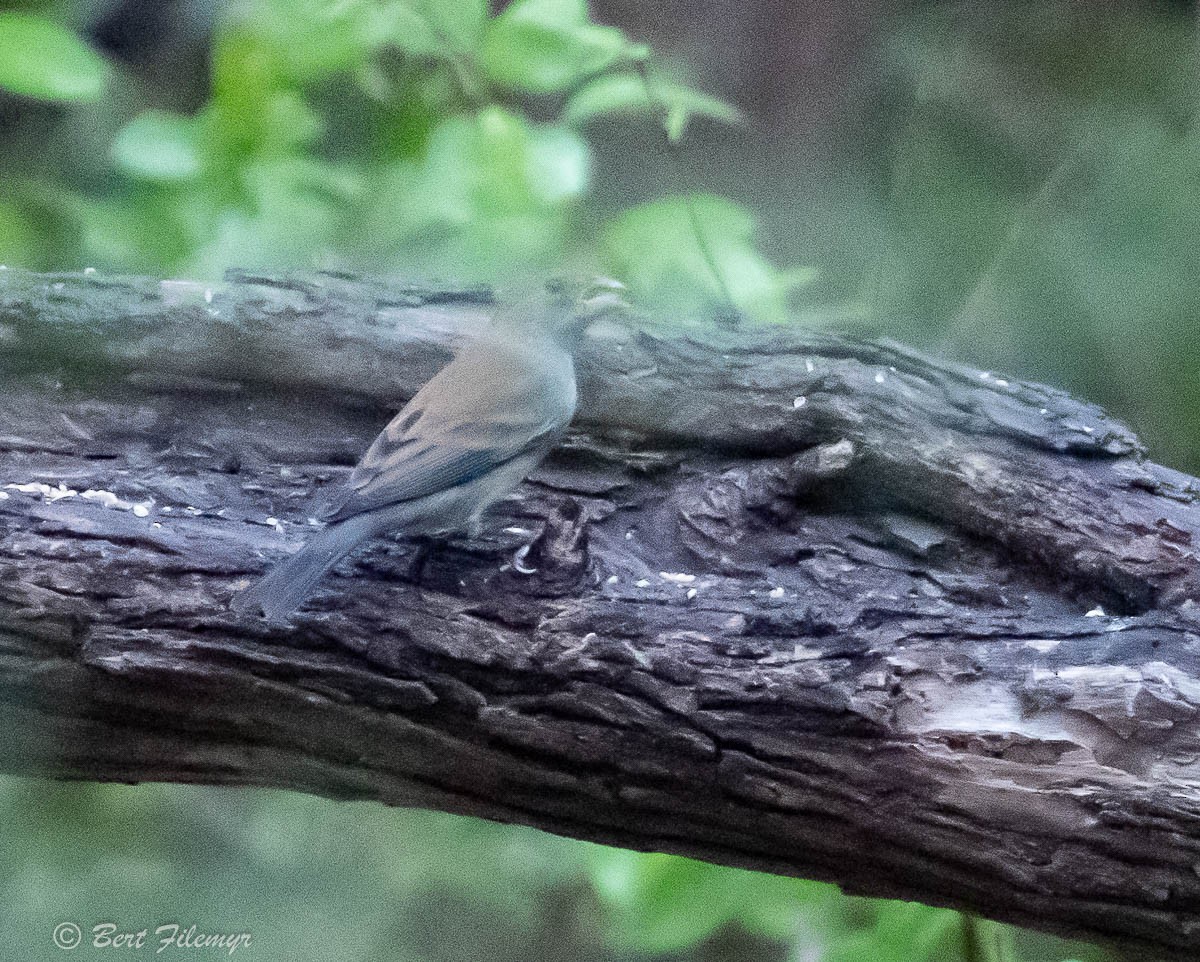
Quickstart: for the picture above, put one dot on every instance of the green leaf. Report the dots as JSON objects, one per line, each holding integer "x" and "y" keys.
{"x": 409, "y": 29}
{"x": 496, "y": 163}
{"x": 559, "y": 164}
{"x": 40, "y": 58}
{"x": 156, "y": 145}
{"x": 627, "y": 94}
{"x": 255, "y": 109}
{"x": 619, "y": 93}
{"x": 457, "y": 23}
{"x": 490, "y": 194}
{"x": 547, "y": 46}
{"x": 656, "y": 250}
{"x": 306, "y": 40}
{"x": 290, "y": 122}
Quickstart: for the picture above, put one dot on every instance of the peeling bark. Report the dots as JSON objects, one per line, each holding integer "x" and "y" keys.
{"x": 814, "y": 605}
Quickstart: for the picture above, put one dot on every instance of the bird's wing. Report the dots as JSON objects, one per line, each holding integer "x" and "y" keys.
{"x": 467, "y": 421}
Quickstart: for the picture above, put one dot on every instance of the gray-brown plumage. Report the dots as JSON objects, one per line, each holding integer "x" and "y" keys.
{"x": 465, "y": 440}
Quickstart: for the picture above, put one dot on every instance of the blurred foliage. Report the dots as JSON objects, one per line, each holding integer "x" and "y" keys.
{"x": 389, "y": 137}
{"x": 677, "y": 269}
{"x": 39, "y": 58}
{"x": 1044, "y": 203}
{"x": 1031, "y": 202}
{"x": 359, "y": 882}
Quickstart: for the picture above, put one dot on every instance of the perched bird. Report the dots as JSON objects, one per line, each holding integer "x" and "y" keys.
{"x": 465, "y": 440}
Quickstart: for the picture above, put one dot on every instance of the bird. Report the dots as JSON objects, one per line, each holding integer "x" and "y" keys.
{"x": 466, "y": 439}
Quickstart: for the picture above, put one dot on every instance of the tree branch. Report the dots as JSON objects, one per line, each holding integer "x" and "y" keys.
{"x": 813, "y": 605}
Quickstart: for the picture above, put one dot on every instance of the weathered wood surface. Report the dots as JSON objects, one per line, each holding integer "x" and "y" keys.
{"x": 812, "y": 605}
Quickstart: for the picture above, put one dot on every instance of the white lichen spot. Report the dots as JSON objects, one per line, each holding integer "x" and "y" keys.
{"x": 1096, "y": 612}
{"x": 808, "y": 366}
{"x": 691, "y": 593}
{"x": 4, "y": 495}
{"x": 1097, "y": 676}
{"x": 629, "y": 535}
{"x": 1000, "y": 382}
{"x": 107, "y": 498}
{"x": 314, "y": 523}
{"x": 985, "y": 375}
{"x": 642, "y": 583}
{"x": 140, "y": 510}
{"x": 518, "y": 561}
{"x": 799, "y": 402}
{"x": 515, "y": 530}
{"x": 1043, "y": 644}
{"x": 775, "y": 593}
{"x": 45, "y": 490}
{"x": 89, "y": 270}
{"x": 208, "y": 297}
{"x": 678, "y": 577}
{"x": 157, "y": 524}
{"x": 1044, "y": 411}
{"x": 879, "y": 378}
{"x": 1088, "y": 430}
{"x": 59, "y": 286}
{"x": 612, "y": 580}
{"x": 167, "y": 510}
{"x": 978, "y": 707}
{"x": 192, "y": 511}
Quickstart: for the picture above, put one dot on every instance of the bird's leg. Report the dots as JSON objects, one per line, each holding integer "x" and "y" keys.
{"x": 420, "y": 558}
{"x": 559, "y": 554}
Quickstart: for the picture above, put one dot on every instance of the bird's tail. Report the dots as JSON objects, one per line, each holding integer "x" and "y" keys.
{"x": 283, "y": 589}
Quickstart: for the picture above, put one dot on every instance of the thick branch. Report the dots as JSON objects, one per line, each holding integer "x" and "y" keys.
{"x": 806, "y": 604}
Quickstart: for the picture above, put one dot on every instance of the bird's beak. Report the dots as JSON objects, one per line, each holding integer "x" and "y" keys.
{"x": 607, "y": 297}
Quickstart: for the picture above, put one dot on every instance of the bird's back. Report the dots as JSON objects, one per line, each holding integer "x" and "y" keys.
{"x": 498, "y": 399}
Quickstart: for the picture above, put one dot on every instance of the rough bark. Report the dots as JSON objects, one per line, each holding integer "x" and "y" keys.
{"x": 813, "y": 605}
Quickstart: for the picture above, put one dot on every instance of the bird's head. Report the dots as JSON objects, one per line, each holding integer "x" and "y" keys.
{"x": 562, "y": 310}
{"x": 576, "y": 302}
